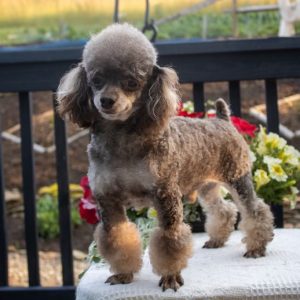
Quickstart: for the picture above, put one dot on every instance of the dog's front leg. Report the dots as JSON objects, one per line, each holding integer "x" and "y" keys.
{"x": 118, "y": 241}
{"x": 171, "y": 243}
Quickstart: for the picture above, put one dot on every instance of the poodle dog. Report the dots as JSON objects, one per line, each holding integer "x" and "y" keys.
{"x": 142, "y": 155}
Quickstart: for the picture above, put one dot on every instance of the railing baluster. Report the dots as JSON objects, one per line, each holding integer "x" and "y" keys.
{"x": 235, "y": 97}
{"x": 63, "y": 199}
{"x": 3, "y": 238}
{"x": 29, "y": 188}
{"x": 273, "y": 125}
{"x": 272, "y": 105}
{"x": 198, "y": 95}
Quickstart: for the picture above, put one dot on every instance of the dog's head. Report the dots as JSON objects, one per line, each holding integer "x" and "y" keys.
{"x": 117, "y": 78}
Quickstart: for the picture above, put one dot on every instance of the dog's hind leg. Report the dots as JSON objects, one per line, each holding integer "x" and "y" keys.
{"x": 119, "y": 243}
{"x": 171, "y": 243}
{"x": 220, "y": 215}
{"x": 257, "y": 219}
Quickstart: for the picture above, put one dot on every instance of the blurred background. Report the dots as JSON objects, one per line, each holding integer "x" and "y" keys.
{"x": 32, "y": 21}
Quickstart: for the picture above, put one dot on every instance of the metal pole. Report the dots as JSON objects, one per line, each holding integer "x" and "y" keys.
{"x": 235, "y": 31}
{"x": 116, "y": 12}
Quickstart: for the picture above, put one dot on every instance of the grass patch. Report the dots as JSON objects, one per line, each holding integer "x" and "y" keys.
{"x": 31, "y": 21}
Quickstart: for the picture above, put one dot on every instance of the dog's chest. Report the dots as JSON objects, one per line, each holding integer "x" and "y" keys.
{"x": 118, "y": 176}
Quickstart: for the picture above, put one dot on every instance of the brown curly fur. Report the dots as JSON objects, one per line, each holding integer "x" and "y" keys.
{"x": 141, "y": 155}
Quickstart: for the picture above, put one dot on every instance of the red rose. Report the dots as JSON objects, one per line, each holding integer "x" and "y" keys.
{"x": 87, "y": 205}
{"x": 88, "y": 211}
{"x": 190, "y": 115}
{"x": 243, "y": 126}
{"x": 87, "y": 193}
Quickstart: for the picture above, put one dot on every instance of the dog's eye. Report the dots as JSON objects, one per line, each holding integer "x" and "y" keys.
{"x": 98, "y": 83}
{"x": 131, "y": 85}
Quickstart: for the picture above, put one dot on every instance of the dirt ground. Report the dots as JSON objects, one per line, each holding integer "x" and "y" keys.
{"x": 45, "y": 172}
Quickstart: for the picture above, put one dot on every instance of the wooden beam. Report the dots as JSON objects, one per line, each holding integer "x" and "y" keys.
{"x": 254, "y": 8}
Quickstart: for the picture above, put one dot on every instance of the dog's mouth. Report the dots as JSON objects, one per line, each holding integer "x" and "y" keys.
{"x": 112, "y": 114}
{"x": 108, "y": 111}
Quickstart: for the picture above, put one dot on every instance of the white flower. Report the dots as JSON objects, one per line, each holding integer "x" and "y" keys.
{"x": 223, "y": 191}
{"x": 275, "y": 141}
{"x": 269, "y": 141}
{"x": 211, "y": 111}
{"x": 188, "y": 106}
{"x": 277, "y": 173}
{"x": 269, "y": 160}
{"x": 291, "y": 156}
{"x": 275, "y": 169}
{"x": 294, "y": 190}
{"x": 252, "y": 156}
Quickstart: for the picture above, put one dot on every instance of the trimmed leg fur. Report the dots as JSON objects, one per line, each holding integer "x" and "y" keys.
{"x": 169, "y": 253}
{"x": 170, "y": 250}
{"x": 220, "y": 215}
{"x": 258, "y": 226}
{"x": 257, "y": 218}
{"x": 121, "y": 247}
{"x": 171, "y": 244}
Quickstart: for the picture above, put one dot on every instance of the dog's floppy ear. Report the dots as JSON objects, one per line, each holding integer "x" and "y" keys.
{"x": 163, "y": 94}
{"x": 74, "y": 98}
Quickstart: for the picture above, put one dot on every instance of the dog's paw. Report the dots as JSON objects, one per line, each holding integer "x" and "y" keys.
{"x": 255, "y": 253}
{"x": 173, "y": 282}
{"x": 120, "y": 278}
{"x": 210, "y": 244}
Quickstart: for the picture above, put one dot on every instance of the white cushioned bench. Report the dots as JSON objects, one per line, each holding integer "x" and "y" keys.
{"x": 213, "y": 274}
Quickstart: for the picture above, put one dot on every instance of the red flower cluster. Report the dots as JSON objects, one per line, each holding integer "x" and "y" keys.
{"x": 243, "y": 126}
{"x": 184, "y": 113}
{"x": 240, "y": 124}
{"x": 87, "y": 204}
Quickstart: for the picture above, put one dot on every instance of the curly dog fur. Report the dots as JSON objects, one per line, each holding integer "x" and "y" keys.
{"x": 141, "y": 154}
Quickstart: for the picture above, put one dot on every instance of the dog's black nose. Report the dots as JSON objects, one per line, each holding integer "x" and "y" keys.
{"x": 107, "y": 103}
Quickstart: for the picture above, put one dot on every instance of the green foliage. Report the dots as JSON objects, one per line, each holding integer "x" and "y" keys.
{"x": 48, "y": 216}
{"x": 191, "y": 212}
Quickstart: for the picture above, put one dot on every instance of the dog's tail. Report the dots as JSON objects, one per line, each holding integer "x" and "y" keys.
{"x": 222, "y": 110}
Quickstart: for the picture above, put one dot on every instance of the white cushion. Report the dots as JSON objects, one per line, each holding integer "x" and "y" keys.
{"x": 213, "y": 274}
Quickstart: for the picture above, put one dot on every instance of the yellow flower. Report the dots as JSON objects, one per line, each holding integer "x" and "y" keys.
{"x": 261, "y": 178}
{"x": 262, "y": 138}
{"x": 152, "y": 213}
{"x": 291, "y": 156}
{"x": 51, "y": 190}
{"x": 75, "y": 190}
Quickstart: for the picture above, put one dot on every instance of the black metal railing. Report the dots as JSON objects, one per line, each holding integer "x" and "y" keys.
{"x": 28, "y": 69}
